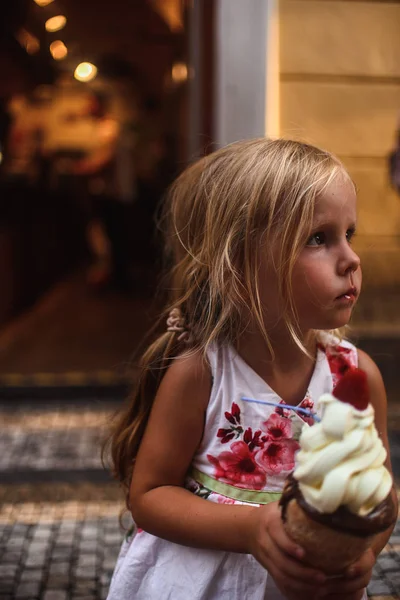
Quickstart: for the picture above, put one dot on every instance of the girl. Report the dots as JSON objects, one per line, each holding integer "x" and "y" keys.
{"x": 263, "y": 273}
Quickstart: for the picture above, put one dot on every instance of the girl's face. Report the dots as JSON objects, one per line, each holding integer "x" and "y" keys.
{"x": 326, "y": 277}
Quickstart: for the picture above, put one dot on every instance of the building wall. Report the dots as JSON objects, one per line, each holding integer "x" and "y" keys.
{"x": 340, "y": 89}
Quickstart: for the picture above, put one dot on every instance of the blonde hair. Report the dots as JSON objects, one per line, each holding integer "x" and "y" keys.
{"x": 220, "y": 214}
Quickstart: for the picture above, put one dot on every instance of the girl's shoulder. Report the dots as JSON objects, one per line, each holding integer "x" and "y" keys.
{"x": 375, "y": 382}
{"x": 190, "y": 366}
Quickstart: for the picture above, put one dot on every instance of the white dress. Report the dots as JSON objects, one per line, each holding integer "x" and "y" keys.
{"x": 246, "y": 453}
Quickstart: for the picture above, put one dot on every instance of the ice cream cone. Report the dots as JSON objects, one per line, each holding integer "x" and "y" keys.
{"x": 327, "y": 549}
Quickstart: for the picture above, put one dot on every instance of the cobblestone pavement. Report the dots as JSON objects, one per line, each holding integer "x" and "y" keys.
{"x": 60, "y": 531}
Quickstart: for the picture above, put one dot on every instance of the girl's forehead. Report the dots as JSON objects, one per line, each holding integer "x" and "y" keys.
{"x": 338, "y": 196}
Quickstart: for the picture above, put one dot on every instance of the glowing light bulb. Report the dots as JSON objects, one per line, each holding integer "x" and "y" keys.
{"x": 43, "y": 2}
{"x": 179, "y": 72}
{"x": 55, "y": 23}
{"x": 58, "y": 50}
{"x": 85, "y": 72}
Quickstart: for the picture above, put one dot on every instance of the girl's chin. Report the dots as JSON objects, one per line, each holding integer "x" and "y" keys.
{"x": 335, "y": 322}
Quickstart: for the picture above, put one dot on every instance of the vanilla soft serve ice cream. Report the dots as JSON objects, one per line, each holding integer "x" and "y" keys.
{"x": 339, "y": 496}
{"x": 341, "y": 460}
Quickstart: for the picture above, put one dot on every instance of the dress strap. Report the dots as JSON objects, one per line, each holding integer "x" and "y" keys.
{"x": 341, "y": 356}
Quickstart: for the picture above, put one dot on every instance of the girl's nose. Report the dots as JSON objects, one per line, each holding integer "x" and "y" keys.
{"x": 349, "y": 262}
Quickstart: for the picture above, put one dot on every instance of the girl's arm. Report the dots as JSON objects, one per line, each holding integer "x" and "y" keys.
{"x": 379, "y": 402}
{"x": 161, "y": 506}
{"x": 159, "y": 503}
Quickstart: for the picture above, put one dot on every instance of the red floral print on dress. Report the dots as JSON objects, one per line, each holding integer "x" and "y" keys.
{"x": 277, "y": 427}
{"x": 235, "y": 429}
{"x": 269, "y": 450}
{"x": 283, "y": 412}
{"x": 309, "y": 404}
{"x": 278, "y": 451}
{"x": 253, "y": 440}
{"x": 224, "y": 500}
{"x": 238, "y": 467}
{"x": 277, "y": 457}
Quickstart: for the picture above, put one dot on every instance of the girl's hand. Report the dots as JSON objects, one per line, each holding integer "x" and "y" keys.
{"x": 274, "y": 550}
{"x": 351, "y": 586}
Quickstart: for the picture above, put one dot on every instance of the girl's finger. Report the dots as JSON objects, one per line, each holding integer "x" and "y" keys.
{"x": 291, "y": 585}
{"x": 364, "y": 564}
{"x": 292, "y": 568}
{"x": 347, "y": 586}
{"x": 285, "y": 544}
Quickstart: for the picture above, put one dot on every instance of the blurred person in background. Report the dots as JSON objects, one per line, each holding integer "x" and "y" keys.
{"x": 394, "y": 165}
{"x": 394, "y": 162}
{"x": 111, "y": 181}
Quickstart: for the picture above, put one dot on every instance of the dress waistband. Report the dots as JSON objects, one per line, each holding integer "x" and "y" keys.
{"x": 243, "y": 495}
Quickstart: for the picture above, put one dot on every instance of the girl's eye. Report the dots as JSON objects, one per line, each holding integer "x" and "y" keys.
{"x": 350, "y": 233}
{"x": 317, "y": 239}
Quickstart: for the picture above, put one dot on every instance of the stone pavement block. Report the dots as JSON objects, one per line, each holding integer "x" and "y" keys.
{"x": 88, "y": 545}
{"x": 86, "y": 589}
{"x": 55, "y": 595}
{"x": 65, "y": 539}
{"x": 28, "y": 590}
{"x": 89, "y": 533}
{"x": 379, "y": 587}
{"x": 58, "y": 582}
{"x": 11, "y": 557}
{"x": 20, "y": 528}
{"x": 59, "y": 568}
{"x": 87, "y": 560}
{"x": 109, "y": 564}
{"x": 113, "y": 538}
{"x": 15, "y": 543}
{"x": 68, "y": 525}
{"x": 395, "y": 539}
{"x": 7, "y": 586}
{"x": 62, "y": 554}
{"x": 88, "y": 572}
{"x": 394, "y": 578}
{"x": 8, "y": 570}
{"x": 105, "y": 579}
{"x": 35, "y": 560}
{"x": 39, "y": 547}
{"x": 388, "y": 563}
{"x": 31, "y": 575}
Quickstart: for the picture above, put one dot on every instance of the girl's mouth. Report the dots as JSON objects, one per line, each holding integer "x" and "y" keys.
{"x": 350, "y": 295}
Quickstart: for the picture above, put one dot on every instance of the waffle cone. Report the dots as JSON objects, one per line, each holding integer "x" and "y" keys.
{"x": 328, "y": 549}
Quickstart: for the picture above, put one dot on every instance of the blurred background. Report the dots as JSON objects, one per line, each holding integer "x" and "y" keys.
{"x": 102, "y": 104}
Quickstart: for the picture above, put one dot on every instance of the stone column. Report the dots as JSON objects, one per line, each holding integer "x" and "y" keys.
{"x": 246, "y": 101}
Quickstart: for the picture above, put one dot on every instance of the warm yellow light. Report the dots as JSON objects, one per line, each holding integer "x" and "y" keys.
{"x": 55, "y": 23}
{"x": 85, "y": 72}
{"x": 58, "y": 50}
{"x": 171, "y": 11}
{"x": 43, "y": 2}
{"x": 28, "y": 41}
{"x": 179, "y": 72}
